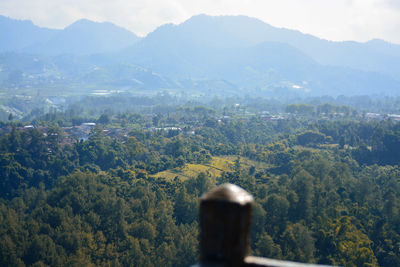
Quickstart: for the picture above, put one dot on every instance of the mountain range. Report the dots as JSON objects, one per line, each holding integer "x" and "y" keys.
{"x": 80, "y": 38}
{"x": 234, "y": 54}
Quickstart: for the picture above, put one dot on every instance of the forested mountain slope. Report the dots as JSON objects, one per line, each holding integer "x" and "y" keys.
{"x": 325, "y": 191}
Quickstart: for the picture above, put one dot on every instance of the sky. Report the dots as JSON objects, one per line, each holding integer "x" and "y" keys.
{"x": 338, "y": 20}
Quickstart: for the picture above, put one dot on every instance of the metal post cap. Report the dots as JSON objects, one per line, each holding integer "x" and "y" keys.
{"x": 230, "y": 193}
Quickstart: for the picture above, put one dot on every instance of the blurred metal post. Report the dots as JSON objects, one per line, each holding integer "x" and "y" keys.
{"x": 225, "y": 219}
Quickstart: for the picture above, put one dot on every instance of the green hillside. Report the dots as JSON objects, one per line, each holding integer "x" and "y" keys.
{"x": 214, "y": 168}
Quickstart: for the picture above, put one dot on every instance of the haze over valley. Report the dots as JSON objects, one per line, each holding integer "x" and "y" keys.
{"x": 209, "y": 55}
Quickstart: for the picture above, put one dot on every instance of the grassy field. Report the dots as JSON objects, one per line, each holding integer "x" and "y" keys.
{"x": 214, "y": 168}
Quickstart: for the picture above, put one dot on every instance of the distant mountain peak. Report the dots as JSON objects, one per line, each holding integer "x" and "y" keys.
{"x": 85, "y": 37}
{"x": 9, "y": 19}
{"x": 82, "y": 22}
{"x": 91, "y": 25}
{"x": 203, "y": 16}
{"x": 16, "y": 34}
{"x": 226, "y": 21}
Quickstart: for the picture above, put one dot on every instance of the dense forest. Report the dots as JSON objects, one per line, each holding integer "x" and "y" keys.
{"x": 326, "y": 183}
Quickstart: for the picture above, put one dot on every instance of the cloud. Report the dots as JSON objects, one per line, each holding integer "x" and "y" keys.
{"x": 393, "y": 3}
{"x": 375, "y": 19}
{"x": 336, "y": 20}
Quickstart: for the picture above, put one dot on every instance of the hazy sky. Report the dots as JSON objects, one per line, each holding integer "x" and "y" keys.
{"x": 359, "y": 20}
